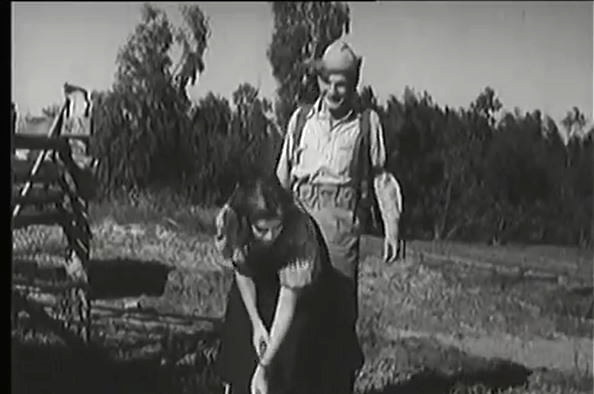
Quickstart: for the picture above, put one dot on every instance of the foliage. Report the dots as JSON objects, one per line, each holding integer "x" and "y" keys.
{"x": 470, "y": 173}
{"x": 51, "y": 111}
{"x": 302, "y": 31}
{"x": 142, "y": 122}
{"x": 466, "y": 176}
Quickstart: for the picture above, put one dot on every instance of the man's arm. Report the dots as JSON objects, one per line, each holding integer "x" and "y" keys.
{"x": 283, "y": 168}
{"x": 389, "y": 200}
{"x": 385, "y": 185}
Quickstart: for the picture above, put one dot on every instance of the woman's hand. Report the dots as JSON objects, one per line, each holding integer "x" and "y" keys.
{"x": 259, "y": 384}
{"x": 260, "y": 338}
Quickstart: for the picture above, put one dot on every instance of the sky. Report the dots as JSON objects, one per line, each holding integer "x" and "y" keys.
{"x": 535, "y": 55}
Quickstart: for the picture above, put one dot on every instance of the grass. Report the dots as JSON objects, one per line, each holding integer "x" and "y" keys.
{"x": 565, "y": 261}
{"x": 420, "y": 326}
{"x": 157, "y": 207}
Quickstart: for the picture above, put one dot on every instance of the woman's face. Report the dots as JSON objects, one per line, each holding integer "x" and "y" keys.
{"x": 266, "y": 231}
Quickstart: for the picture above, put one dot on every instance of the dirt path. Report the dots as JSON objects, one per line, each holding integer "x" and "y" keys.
{"x": 532, "y": 262}
{"x": 561, "y": 354}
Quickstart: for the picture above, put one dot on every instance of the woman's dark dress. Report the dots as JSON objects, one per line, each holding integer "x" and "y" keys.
{"x": 320, "y": 352}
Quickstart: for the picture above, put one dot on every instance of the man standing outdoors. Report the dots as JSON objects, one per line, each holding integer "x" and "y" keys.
{"x": 324, "y": 149}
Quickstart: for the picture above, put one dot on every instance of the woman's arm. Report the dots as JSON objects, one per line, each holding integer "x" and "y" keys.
{"x": 295, "y": 278}
{"x": 283, "y": 317}
{"x": 247, "y": 289}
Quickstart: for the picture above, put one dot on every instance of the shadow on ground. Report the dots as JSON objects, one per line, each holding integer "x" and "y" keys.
{"x": 109, "y": 278}
{"x": 48, "y": 369}
{"x": 499, "y": 376}
{"x": 116, "y": 278}
{"x": 44, "y": 368}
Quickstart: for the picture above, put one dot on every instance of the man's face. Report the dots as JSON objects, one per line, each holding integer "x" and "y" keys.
{"x": 337, "y": 89}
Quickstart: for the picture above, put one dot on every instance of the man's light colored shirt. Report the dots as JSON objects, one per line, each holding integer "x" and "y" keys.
{"x": 326, "y": 151}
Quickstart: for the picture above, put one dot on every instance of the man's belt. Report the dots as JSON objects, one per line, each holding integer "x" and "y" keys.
{"x": 327, "y": 195}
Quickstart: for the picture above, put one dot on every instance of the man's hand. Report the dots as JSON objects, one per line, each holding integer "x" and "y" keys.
{"x": 260, "y": 338}
{"x": 390, "y": 248}
{"x": 389, "y": 200}
{"x": 259, "y": 384}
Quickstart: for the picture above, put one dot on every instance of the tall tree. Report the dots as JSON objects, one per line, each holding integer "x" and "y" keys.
{"x": 213, "y": 150}
{"x": 301, "y": 32}
{"x": 244, "y": 98}
{"x": 574, "y": 123}
{"x": 486, "y": 105}
{"x": 147, "y": 111}
{"x": 51, "y": 111}
{"x": 258, "y": 144}
{"x": 192, "y": 37}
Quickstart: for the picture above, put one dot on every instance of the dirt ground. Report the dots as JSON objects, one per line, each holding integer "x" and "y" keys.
{"x": 426, "y": 325}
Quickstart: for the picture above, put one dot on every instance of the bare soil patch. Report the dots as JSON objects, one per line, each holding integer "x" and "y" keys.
{"x": 166, "y": 292}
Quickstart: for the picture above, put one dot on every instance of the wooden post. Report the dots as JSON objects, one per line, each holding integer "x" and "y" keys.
{"x": 68, "y": 209}
{"x": 13, "y": 123}
{"x": 54, "y": 131}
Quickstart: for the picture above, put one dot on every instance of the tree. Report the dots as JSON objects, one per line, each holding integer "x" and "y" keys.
{"x": 193, "y": 39}
{"x": 51, "y": 111}
{"x": 147, "y": 112}
{"x": 574, "y": 122}
{"x": 367, "y": 98}
{"x": 486, "y": 105}
{"x": 258, "y": 145}
{"x": 301, "y": 32}
{"x": 210, "y": 144}
{"x": 244, "y": 98}
{"x": 13, "y": 117}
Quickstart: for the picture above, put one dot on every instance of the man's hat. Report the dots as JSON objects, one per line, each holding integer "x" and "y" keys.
{"x": 338, "y": 57}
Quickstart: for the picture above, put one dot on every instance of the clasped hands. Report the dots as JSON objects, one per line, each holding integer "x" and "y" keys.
{"x": 260, "y": 340}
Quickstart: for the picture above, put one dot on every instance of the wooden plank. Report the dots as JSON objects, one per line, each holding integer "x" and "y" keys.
{"x": 76, "y": 240}
{"x": 518, "y": 271}
{"x": 37, "y": 189}
{"x": 77, "y": 126}
{"x": 80, "y": 183}
{"x": 26, "y": 165}
{"x": 65, "y": 158}
{"x": 142, "y": 316}
{"x": 80, "y": 137}
{"x": 54, "y": 131}
{"x": 49, "y": 218}
{"x": 39, "y": 197}
{"x": 39, "y": 315}
{"x": 48, "y": 171}
{"x": 48, "y": 174}
{"x": 39, "y": 286}
{"x": 13, "y": 125}
{"x": 39, "y": 142}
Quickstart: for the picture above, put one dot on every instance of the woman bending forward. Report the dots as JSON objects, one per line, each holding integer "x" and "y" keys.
{"x": 286, "y": 324}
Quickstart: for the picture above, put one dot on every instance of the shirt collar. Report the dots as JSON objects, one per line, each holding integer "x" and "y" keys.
{"x": 319, "y": 109}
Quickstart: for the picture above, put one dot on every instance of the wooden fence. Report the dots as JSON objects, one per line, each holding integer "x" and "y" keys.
{"x": 49, "y": 190}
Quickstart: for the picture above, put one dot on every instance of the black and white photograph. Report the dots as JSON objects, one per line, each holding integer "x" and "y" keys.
{"x": 367, "y": 197}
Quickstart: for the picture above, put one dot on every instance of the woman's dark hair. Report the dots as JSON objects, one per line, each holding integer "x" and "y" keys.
{"x": 261, "y": 197}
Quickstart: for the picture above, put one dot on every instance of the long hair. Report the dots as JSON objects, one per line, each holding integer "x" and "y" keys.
{"x": 260, "y": 197}
{"x": 256, "y": 197}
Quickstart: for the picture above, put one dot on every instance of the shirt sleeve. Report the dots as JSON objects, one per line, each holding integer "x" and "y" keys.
{"x": 377, "y": 147}
{"x": 283, "y": 168}
{"x": 387, "y": 189}
{"x": 303, "y": 268}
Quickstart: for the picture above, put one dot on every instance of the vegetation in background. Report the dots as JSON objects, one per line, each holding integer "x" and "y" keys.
{"x": 473, "y": 174}
{"x": 468, "y": 174}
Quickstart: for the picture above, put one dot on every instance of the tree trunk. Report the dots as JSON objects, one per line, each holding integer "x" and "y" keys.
{"x": 446, "y": 209}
